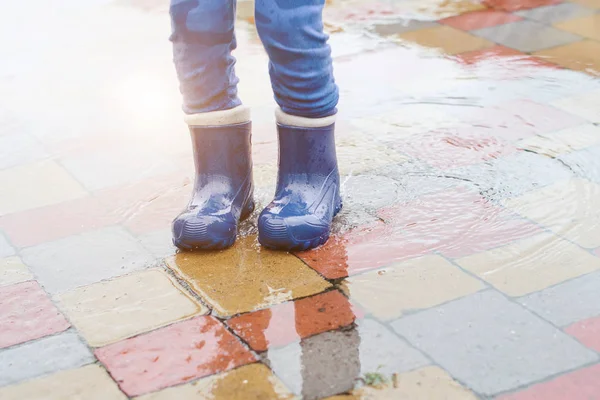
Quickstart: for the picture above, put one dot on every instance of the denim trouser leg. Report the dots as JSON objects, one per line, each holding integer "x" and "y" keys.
{"x": 203, "y": 38}
{"x": 292, "y": 33}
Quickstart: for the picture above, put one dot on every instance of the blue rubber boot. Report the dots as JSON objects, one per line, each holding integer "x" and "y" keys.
{"x": 308, "y": 190}
{"x": 223, "y": 189}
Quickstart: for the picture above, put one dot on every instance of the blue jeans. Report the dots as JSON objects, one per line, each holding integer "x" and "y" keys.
{"x": 292, "y": 33}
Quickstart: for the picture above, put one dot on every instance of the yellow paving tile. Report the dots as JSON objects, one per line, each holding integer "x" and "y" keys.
{"x": 579, "y": 56}
{"x": 588, "y": 3}
{"x": 584, "y": 105}
{"x": 564, "y": 141}
{"x": 422, "y": 384}
{"x": 36, "y": 185}
{"x": 416, "y": 284}
{"x": 588, "y": 27}
{"x": 531, "y": 264}
{"x": 12, "y": 270}
{"x": 447, "y": 39}
{"x": 87, "y": 383}
{"x": 109, "y": 311}
{"x": 570, "y": 209}
{"x": 246, "y": 277}
{"x": 253, "y": 381}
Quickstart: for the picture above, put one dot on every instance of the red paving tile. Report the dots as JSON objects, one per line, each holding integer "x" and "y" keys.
{"x": 33, "y": 227}
{"x": 173, "y": 355}
{"x": 360, "y": 250}
{"x": 288, "y": 322}
{"x": 587, "y": 332}
{"x": 26, "y": 313}
{"x": 597, "y": 252}
{"x": 516, "y": 5}
{"x": 581, "y": 384}
{"x": 480, "y": 19}
{"x": 445, "y": 150}
{"x": 457, "y": 223}
{"x": 500, "y": 53}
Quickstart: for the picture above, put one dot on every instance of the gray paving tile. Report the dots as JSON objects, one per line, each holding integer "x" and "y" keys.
{"x": 51, "y": 354}
{"x": 556, "y": 13}
{"x": 513, "y": 175}
{"x": 19, "y": 148}
{"x": 370, "y": 191}
{"x": 159, "y": 243}
{"x": 585, "y": 163}
{"x": 568, "y": 302}
{"x": 84, "y": 259}
{"x": 331, "y": 362}
{"x": 492, "y": 344}
{"x": 5, "y": 247}
{"x": 395, "y": 28}
{"x": 527, "y": 36}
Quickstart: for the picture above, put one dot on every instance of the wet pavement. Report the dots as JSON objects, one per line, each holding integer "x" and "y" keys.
{"x": 465, "y": 263}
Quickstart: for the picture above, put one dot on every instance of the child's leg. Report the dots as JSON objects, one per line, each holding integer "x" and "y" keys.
{"x": 300, "y": 58}
{"x": 308, "y": 187}
{"x": 203, "y": 38}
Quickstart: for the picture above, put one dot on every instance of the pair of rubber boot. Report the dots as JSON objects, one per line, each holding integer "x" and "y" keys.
{"x": 307, "y": 196}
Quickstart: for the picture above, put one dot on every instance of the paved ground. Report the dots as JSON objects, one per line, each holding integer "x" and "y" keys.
{"x": 465, "y": 265}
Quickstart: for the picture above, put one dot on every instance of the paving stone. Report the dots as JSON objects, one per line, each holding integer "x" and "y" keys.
{"x": 492, "y": 344}
{"x": 44, "y": 356}
{"x": 172, "y": 355}
{"x": 37, "y": 185}
{"x": 447, "y": 39}
{"x": 580, "y": 384}
{"x": 26, "y": 313}
{"x": 12, "y": 270}
{"x": 5, "y": 247}
{"x": 369, "y": 191}
{"x": 254, "y": 381}
{"x": 527, "y": 36}
{"x": 394, "y": 28}
{"x": 515, "y": 5}
{"x": 564, "y": 141}
{"x": 513, "y": 175}
{"x": 595, "y": 4}
{"x": 580, "y": 56}
{"x": 242, "y": 279}
{"x": 159, "y": 243}
{"x": 568, "y": 302}
{"x": 106, "y": 312}
{"x": 587, "y": 332}
{"x": 588, "y": 27}
{"x": 531, "y": 264}
{"x": 480, "y": 19}
{"x": 585, "y": 163}
{"x": 555, "y": 13}
{"x": 288, "y": 322}
{"x": 422, "y": 384}
{"x": 90, "y": 383}
{"x": 568, "y": 208}
{"x": 19, "y": 148}
{"x": 330, "y": 362}
{"x": 84, "y": 259}
{"x": 410, "y": 286}
{"x": 584, "y": 105}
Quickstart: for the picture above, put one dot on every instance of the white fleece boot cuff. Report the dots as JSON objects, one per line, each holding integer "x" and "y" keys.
{"x": 236, "y": 115}
{"x": 293, "y": 120}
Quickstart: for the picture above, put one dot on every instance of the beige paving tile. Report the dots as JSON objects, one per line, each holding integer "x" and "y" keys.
{"x": 570, "y": 209}
{"x": 254, "y": 381}
{"x": 12, "y": 270}
{"x": 109, "y": 311}
{"x": 563, "y": 141}
{"x": 447, "y": 39}
{"x": 412, "y": 285}
{"x": 87, "y": 383}
{"x": 246, "y": 277}
{"x": 422, "y": 384}
{"x": 531, "y": 264}
{"x": 36, "y": 185}
{"x": 588, "y": 27}
{"x": 588, "y": 3}
{"x": 584, "y": 105}
{"x": 579, "y": 56}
